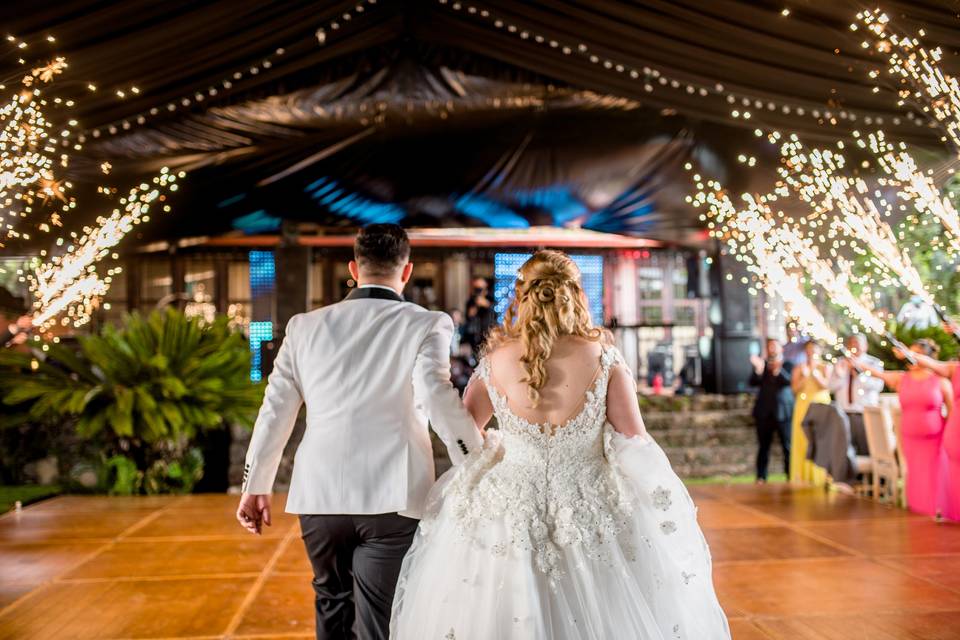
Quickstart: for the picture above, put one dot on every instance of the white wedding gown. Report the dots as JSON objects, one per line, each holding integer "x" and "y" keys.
{"x": 584, "y": 534}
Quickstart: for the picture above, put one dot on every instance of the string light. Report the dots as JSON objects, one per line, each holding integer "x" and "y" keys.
{"x": 747, "y": 105}
{"x": 229, "y": 80}
{"x": 28, "y": 180}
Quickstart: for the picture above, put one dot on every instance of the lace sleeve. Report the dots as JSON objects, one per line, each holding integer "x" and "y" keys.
{"x": 482, "y": 372}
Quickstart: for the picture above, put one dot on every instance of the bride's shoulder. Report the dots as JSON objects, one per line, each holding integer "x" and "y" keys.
{"x": 510, "y": 349}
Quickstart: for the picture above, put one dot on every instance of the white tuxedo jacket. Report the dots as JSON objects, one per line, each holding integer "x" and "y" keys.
{"x": 371, "y": 370}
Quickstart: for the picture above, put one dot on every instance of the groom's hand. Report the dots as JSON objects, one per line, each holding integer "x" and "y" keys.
{"x": 254, "y": 512}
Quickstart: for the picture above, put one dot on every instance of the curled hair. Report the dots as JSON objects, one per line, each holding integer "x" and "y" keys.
{"x": 548, "y": 303}
{"x": 928, "y": 346}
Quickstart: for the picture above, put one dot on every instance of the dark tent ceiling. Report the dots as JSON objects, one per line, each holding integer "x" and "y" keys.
{"x": 447, "y": 112}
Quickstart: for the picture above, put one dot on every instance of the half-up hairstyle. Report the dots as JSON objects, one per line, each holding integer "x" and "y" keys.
{"x": 548, "y": 302}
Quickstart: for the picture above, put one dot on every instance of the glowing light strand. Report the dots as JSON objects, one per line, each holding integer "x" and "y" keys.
{"x": 27, "y": 156}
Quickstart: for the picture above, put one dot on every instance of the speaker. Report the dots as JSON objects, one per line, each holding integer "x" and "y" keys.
{"x": 698, "y": 281}
{"x": 731, "y": 305}
{"x": 728, "y": 368}
{"x": 293, "y": 282}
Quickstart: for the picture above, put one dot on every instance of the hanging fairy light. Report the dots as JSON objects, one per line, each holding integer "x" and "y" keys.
{"x": 231, "y": 79}
{"x": 55, "y": 283}
{"x": 28, "y": 157}
{"x": 919, "y": 73}
{"x": 742, "y": 106}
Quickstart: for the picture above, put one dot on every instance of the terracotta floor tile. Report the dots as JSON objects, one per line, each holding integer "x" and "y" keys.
{"x": 166, "y": 608}
{"x": 772, "y": 580}
{"x": 764, "y": 543}
{"x": 944, "y": 570}
{"x": 714, "y": 514}
{"x": 746, "y": 630}
{"x": 826, "y": 586}
{"x": 294, "y": 558}
{"x": 187, "y": 558}
{"x": 284, "y": 605}
{"x": 48, "y": 526}
{"x": 892, "y": 537}
{"x": 873, "y": 626}
{"x": 813, "y": 505}
{"x": 207, "y": 521}
{"x": 11, "y": 591}
{"x": 78, "y": 504}
{"x": 40, "y": 562}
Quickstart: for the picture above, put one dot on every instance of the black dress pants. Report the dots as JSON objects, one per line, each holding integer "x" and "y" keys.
{"x": 356, "y": 562}
{"x": 766, "y": 427}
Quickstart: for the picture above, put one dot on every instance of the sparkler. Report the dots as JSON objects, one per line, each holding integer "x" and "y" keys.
{"x": 751, "y": 239}
{"x": 857, "y": 211}
{"x": 919, "y": 72}
{"x": 915, "y": 186}
{"x": 56, "y": 283}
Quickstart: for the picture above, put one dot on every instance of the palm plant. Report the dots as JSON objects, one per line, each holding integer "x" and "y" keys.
{"x": 143, "y": 391}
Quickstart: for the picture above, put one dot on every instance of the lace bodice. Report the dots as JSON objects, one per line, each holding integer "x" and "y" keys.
{"x": 553, "y": 487}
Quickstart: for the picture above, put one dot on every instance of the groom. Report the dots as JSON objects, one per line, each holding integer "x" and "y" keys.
{"x": 371, "y": 370}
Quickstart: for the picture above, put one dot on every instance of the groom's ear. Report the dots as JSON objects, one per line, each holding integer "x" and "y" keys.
{"x": 354, "y": 270}
{"x": 407, "y": 272}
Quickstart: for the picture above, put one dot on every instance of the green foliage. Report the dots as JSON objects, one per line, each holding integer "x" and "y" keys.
{"x": 143, "y": 391}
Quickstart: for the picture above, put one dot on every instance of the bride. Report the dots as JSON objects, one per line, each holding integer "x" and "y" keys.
{"x": 570, "y": 523}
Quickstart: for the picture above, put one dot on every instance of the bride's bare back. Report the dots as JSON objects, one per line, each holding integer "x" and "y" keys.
{"x": 571, "y": 371}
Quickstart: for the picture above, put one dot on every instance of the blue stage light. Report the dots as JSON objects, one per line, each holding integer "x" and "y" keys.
{"x": 506, "y": 265}
{"x": 259, "y": 332}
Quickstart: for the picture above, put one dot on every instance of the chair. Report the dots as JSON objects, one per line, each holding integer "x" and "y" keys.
{"x": 882, "y": 443}
{"x": 902, "y": 459}
{"x": 889, "y": 400}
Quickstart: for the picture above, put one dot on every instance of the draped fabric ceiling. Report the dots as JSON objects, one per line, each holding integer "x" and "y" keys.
{"x": 444, "y": 112}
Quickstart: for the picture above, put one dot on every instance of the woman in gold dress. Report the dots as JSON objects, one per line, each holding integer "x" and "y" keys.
{"x": 809, "y": 382}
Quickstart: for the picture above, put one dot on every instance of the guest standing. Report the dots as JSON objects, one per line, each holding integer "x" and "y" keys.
{"x": 923, "y": 395}
{"x": 854, "y": 389}
{"x": 774, "y": 406}
{"x": 794, "y": 351}
{"x": 480, "y": 315}
{"x": 950, "y": 507}
{"x": 809, "y": 383}
{"x": 14, "y": 331}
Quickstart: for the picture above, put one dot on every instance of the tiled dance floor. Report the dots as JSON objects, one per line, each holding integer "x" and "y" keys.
{"x": 792, "y": 564}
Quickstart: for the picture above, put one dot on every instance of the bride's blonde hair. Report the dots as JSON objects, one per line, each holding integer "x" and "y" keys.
{"x": 548, "y": 302}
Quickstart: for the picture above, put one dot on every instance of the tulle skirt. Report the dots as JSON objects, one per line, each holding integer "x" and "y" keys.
{"x": 654, "y": 582}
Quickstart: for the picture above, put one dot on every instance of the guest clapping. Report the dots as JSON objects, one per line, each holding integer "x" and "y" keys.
{"x": 16, "y": 331}
{"x": 810, "y": 381}
{"x": 773, "y": 408}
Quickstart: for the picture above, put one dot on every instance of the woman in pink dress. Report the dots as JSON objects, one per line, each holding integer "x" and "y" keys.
{"x": 923, "y": 395}
{"x": 950, "y": 495}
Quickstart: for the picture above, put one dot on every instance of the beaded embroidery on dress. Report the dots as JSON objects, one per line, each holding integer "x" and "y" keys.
{"x": 570, "y": 531}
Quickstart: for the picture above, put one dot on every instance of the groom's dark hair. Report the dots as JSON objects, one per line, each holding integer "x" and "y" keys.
{"x": 381, "y": 249}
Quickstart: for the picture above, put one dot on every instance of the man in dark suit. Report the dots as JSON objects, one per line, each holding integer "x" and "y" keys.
{"x": 773, "y": 410}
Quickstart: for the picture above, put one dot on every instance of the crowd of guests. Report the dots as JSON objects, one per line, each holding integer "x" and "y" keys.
{"x": 470, "y": 328}
{"x": 790, "y": 379}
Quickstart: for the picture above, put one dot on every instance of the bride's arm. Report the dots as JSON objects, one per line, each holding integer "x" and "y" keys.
{"x": 477, "y": 401}
{"x": 623, "y": 410}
